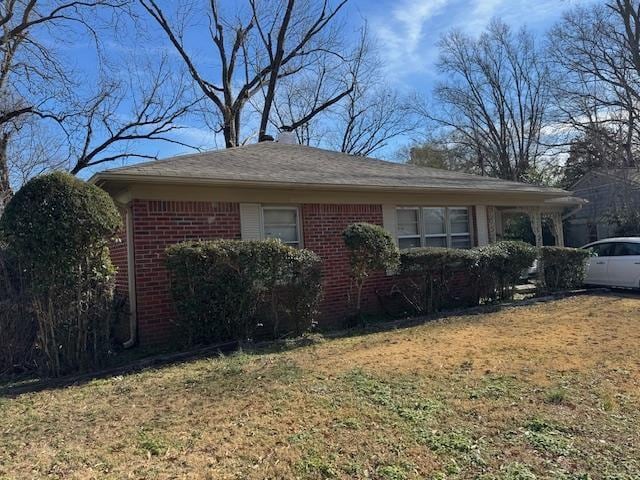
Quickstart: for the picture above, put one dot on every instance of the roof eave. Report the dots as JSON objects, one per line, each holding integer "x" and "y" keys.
{"x": 100, "y": 178}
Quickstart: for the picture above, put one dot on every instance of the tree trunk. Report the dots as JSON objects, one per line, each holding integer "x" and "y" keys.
{"x": 5, "y": 187}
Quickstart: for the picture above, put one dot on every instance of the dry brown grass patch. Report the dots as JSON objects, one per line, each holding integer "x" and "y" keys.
{"x": 544, "y": 391}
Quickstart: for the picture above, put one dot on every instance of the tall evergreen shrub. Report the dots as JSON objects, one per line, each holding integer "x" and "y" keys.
{"x": 58, "y": 228}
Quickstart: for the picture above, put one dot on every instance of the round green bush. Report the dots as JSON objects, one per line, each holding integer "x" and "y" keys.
{"x": 58, "y": 228}
{"x": 55, "y": 220}
{"x": 371, "y": 248}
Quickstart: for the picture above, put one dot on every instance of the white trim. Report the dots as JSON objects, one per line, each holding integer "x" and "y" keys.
{"x": 250, "y": 221}
{"x": 131, "y": 279}
{"x": 100, "y": 178}
{"x": 390, "y": 220}
{"x": 482, "y": 225}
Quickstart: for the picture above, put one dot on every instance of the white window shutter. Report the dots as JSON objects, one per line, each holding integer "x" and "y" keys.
{"x": 250, "y": 228}
{"x": 389, "y": 220}
{"x": 482, "y": 225}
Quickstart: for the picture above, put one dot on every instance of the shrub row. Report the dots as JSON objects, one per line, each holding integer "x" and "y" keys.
{"x": 229, "y": 289}
{"x": 563, "y": 268}
{"x": 492, "y": 272}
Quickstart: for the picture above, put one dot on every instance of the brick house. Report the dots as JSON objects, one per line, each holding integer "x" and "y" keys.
{"x": 305, "y": 196}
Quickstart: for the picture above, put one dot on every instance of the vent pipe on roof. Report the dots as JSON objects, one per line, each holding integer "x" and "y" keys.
{"x": 287, "y": 136}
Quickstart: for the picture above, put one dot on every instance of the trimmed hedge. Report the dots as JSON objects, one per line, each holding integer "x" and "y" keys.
{"x": 499, "y": 267}
{"x": 428, "y": 272}
{"x": 57, "y": 229}
{"x": 493, "y": 271}
{"x": 222, "y": 288}
{"x": 563, "y": 268}
{"x": 371, "y": 248}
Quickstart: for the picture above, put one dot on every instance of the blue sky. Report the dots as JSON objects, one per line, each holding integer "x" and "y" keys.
{"x": 406, "y": 31}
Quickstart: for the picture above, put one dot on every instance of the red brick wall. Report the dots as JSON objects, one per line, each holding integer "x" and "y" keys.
{"x": 156, "y": 225}
{"x": 118, "y": 252}
{"x": 322, "y": 226}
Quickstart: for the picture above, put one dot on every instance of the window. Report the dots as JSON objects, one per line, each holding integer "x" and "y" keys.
{"x": 602, "y": 249}
{"x": 282, "y": 223}
{"x": 408, "y": 227}
{"x": 459, "y": 228}
{"x": 433, "y": 227}
{"x": 626, "y": 249}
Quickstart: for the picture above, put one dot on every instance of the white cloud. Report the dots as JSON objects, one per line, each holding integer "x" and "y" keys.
{"x": 408, "y": 34}
{"x": 403, "y": 32}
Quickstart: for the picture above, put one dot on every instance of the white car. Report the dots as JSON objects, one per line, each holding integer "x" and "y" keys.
{"x": 616, "y": 262}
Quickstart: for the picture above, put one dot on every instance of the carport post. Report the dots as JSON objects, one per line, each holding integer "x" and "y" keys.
{"x": 535, "y": 217}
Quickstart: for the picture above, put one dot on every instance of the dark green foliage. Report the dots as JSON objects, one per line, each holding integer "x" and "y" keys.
{"x": 627, "y": 222}
{"x": 57, "y": 229}
{"x": 596, "y": 149}
{"x": 56, "y": 222}
{"x": 492, "y": 271}
{"x": 428, "y": 272}
{"x": 17, "y": 323}
{"x": 434, "y": 259}
{"x": 563, "y": 268}
{"x": 518, "y": 227}
{"x": 371, "y": 249}
{"x": 500, "y": 265}
{"x": 223, "y": 288}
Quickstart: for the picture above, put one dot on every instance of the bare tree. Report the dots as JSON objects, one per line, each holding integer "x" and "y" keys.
{"x": 595, "y": 51}
{"x": 32, "y": 78}
{"x": 361, "y": 123}
{"x": 370, "y": 118}
{"x": 494, "y": 99}
{"x": 146, "y": 105}
{"x": 255, "y": 47}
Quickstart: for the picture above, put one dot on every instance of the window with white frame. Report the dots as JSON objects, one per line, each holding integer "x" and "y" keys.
{"x": 433, "y": 227}
{"x": 408, "y": 227}
{"x": 281, "y": 222}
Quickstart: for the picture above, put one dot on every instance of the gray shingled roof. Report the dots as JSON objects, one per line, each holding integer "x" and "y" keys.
{"x": 298, "y": 165}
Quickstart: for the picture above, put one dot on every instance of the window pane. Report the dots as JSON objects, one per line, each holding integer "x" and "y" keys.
{"x": 279, "y": 216}
{"x": 407, "y": 222}
{"x": 626, "y": 249}
{"x": 435, "y": 241}
{"x": 463, "y": 241}
{"x": 434, "y": 221}
{"x": 284, "y": 233}
{"x": 459, "y": 220}
{"x": 603, "y": 249}
{"x": 281, "y": 223}
{"x": 409, "y": 242}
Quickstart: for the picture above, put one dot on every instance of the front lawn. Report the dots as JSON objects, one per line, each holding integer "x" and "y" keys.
{"x": 545, "y": 391}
